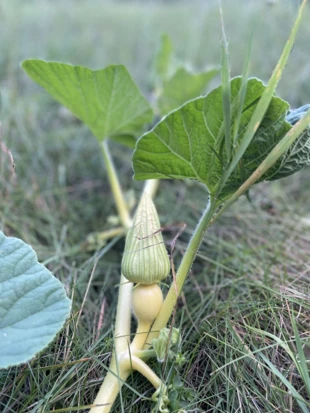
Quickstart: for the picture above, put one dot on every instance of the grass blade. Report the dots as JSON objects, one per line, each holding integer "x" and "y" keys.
{"x": 265, "y": 99}
{"x": 242, "y": 91}
{"x": 226, "y": 95}
{"x": 299, "y": 399}
{"x": 301, "y": 362}
{"x": 273, "y": 156}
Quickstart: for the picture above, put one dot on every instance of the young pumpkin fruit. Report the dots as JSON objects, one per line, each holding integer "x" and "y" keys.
{"x": 146, "y": 302}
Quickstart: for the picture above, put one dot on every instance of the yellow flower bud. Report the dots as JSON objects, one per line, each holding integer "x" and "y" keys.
{"x": 145, "y": 259}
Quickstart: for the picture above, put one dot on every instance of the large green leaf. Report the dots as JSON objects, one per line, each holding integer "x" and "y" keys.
{"x": 33, "y": 303}
{"x": 189, "y": 142}
{"x": 107, "y": 100}
{"x": 183, "y": 86}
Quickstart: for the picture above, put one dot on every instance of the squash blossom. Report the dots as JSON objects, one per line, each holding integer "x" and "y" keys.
{"x": 145, "y": 259}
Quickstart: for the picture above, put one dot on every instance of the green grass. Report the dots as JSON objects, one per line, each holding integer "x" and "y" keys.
{"x": 248, "y": 291}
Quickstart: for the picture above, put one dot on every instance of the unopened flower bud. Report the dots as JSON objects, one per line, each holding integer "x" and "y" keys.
{"x": 162, "y": 344}
{"x": 145, "y": 259}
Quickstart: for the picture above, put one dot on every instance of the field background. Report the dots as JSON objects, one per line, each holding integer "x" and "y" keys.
{"x": 253, "y": 267}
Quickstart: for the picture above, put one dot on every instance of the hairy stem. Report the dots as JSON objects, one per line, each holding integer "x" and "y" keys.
{"x": 123, "y": 316}
{"x": 110, "y": 388}
{"x": 140, "y": 336}
{"x": 117, "y": 374}
{"x": 186, "y": 263}
{"x": 123, "y": 312}
{"x": 135, "y": 363}
{"x": 151, "y": 187}
{"x": 122, "y": 364}
{"x": 115, "y": 186}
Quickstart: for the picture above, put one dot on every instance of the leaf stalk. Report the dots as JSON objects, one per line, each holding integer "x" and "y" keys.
{"x": 186, "y": 263}
{"x": 115, "y": 186}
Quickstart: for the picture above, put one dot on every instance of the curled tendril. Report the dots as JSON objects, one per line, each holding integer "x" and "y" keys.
{"x": 161, "y": 399}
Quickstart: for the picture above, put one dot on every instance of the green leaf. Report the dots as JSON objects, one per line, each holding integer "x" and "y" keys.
{"x": 183, "y": 86}
{"x": 34, "y": 305}
{"x": 106, "y": 100}
{"x": 264, "y": 101}
{"x": 126, "y": 140}
{"x": 242, "y": 91}
{"x": 298, "y": 155}
{"x": 225, "y": 74}
{"x": 189, "y": 142}
{"x": 277, "y": 153}
{"x": 291, "y": 389}
{"x": 163, "y": 58}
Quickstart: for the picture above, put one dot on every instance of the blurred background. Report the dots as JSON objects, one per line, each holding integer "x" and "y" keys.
{"x": 96, "y": 33}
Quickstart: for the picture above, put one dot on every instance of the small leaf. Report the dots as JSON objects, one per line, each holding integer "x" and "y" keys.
{"x": 183, "y": 86}
{"x": 188, "y": 143}
{"x": 106, "y": 100}
{"x": 264, "y": 102}
{"x": 163, "y": 58}
{"x": 298, "y": 154}
{"x": 34, "y": 305}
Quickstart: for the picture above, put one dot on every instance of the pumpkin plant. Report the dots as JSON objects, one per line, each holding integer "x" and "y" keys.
{"x": 174, "y": 82}
{"x": 34, "y": 305}
{"x": 235, "y": 136}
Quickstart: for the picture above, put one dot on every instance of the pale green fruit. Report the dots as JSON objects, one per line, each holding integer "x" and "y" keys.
{"x": 145, "y": 259}
{"x": 146, "y": 302}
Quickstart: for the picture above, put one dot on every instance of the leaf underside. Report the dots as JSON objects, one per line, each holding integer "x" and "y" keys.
{"x": 34, "y": 305}
{"x": 107, "y": 100}
{"x": 189, "y": 142}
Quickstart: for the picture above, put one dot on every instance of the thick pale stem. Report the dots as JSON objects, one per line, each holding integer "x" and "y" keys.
{"x": 141, "y": 335}
{"x": 137, "y": 364}
{"x": 115, "y": 377}
{"x": 118, "y": 374}
{"x": 110, "y": 388}
{"x": 151, "y": 187}
{"x": 119, "y": 371}
{"x": 187, "y": 261}
{"x": 95, "y": 239}
{"x": 115, "y": 186}
{"x": 123, "y": 316}
{"x": 145, "y": 354}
